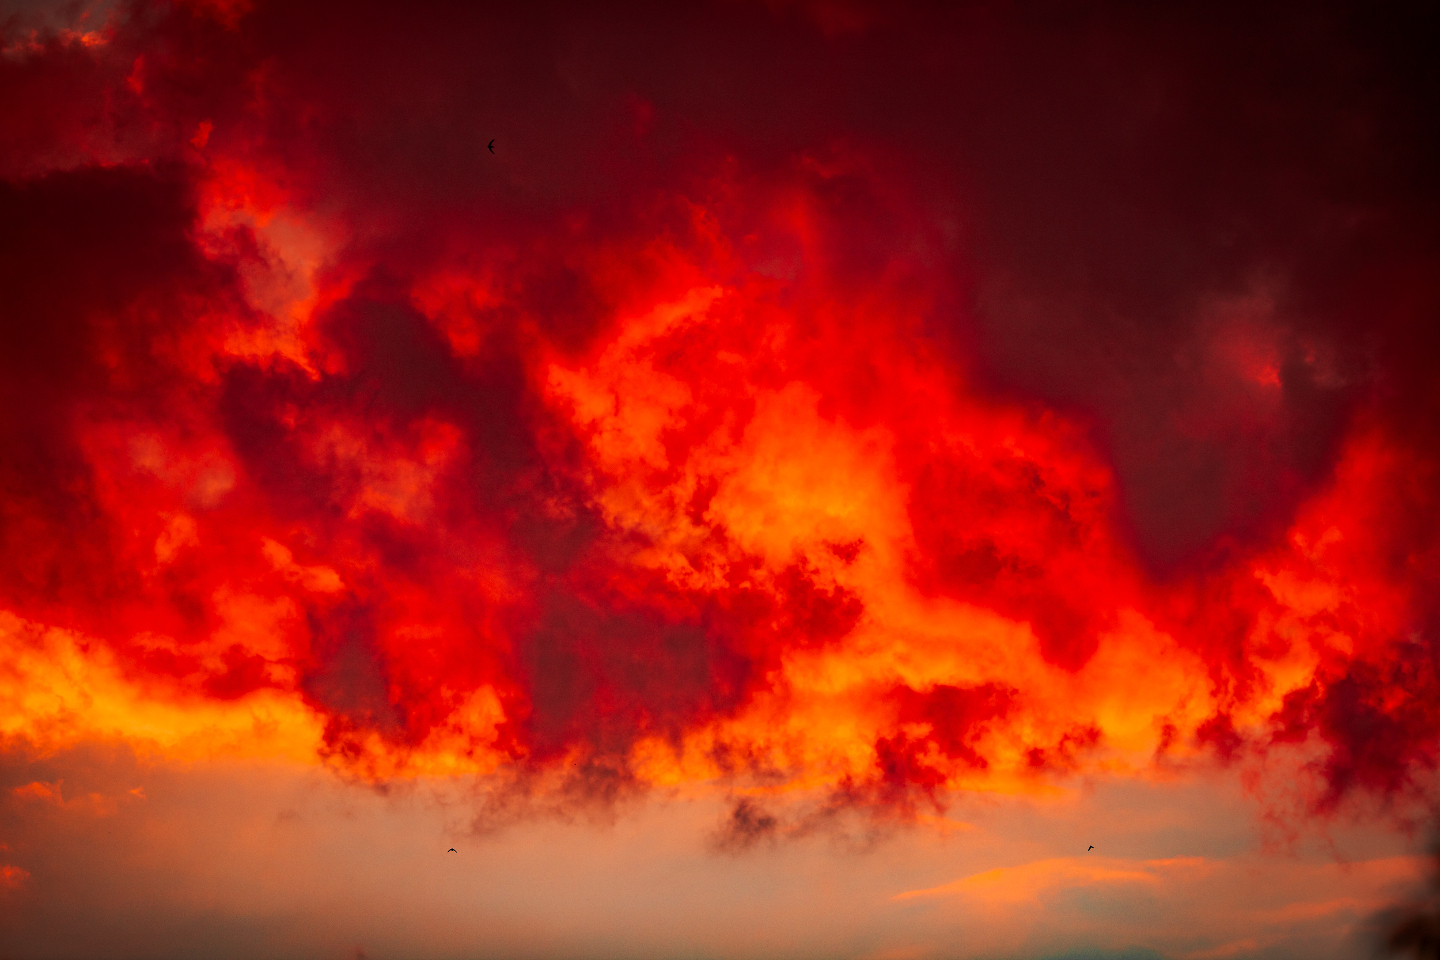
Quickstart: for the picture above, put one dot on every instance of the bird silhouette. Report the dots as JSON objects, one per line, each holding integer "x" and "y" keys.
{"x": 1092, "y": 847}
{"x": 492, "y": 146}
{"x": 451, "y": 850}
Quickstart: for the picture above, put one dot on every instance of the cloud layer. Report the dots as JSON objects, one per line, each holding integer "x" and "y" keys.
{"x": 859, "y": 403}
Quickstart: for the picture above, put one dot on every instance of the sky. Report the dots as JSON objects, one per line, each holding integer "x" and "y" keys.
{"x": 882, "y": 481}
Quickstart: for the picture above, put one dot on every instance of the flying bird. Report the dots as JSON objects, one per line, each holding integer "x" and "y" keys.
{"x": 451, "y": 850}
{"x": 492, "y": 146}
{"x": 1092, "y": 847}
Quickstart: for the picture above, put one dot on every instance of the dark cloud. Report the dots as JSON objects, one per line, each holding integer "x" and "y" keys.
{"x": 1376, "y": 720}
{"x": 99, "y": 272}
{"x": 1141, "y": 175}
{"x": 1208, "y": 235}
{"x": 747, "y": 825}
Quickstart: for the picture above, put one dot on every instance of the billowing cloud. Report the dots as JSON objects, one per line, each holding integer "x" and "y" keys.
{"x": 857, "y": 405}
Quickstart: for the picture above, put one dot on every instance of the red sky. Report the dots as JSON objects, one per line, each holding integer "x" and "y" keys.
{"x": 828, "y": 467}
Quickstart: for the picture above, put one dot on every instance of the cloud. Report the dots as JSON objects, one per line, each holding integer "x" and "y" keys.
{"x": 883, "y": 403}
{"x": 1028, "y": 882}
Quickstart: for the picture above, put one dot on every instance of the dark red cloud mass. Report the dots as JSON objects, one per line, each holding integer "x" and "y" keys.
{"x": 882, "y": 398}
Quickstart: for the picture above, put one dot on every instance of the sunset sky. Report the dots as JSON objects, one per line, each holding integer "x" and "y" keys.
{"x": 828, "y": 468}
